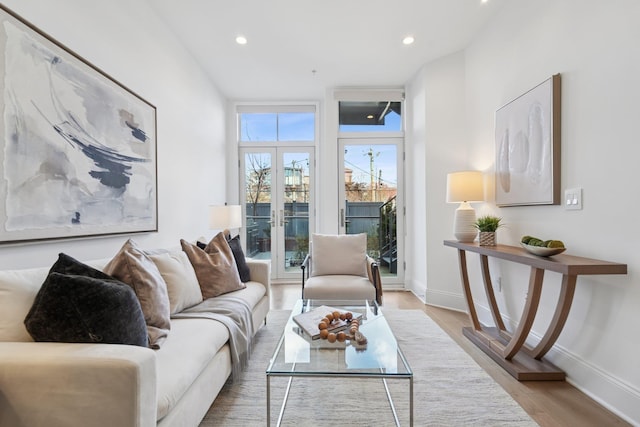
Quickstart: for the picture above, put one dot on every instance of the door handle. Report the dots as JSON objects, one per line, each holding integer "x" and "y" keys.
{"x": 272, "y": 223}
{"x": 342, "y": 217}
{"x": 282, "y": 221}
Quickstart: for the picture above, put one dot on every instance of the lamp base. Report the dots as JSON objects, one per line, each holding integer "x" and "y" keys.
{"x": 463, "y": 222}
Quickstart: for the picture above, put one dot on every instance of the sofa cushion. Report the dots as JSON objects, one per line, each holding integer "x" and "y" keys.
{"x": 215, "y": 266}
{"x": 84, "y": 309}
{"x": 251, "y": 294}
{"x": 133, "y": 267}
{"x": 18, "y": 289}
{"x": 339, "y": 254}
{"x": 339, "y": 287}
{"x": 181, "y": 280}
{"x": 192, "y": 344}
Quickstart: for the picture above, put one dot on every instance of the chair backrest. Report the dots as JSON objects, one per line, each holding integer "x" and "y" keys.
{"x": 338, "y": 254}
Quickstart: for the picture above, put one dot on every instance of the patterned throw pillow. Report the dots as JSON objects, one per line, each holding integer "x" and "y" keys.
{"x": 80, "y": 304}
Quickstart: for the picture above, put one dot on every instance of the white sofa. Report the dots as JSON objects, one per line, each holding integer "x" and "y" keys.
{"x": 66, "y": 385}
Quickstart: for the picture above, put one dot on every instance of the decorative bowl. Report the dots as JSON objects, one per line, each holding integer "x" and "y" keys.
{"x": 542, "y": 251}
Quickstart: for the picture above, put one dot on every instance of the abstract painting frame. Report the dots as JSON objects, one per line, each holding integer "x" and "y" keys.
{"x": 527, "y": 141}
{"x": 77, "y": 148}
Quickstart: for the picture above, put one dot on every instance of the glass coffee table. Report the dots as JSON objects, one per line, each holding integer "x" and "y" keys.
{"x": 298, "y": 355}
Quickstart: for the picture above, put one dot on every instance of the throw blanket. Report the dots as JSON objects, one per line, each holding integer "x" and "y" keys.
{"x": 235, "y": 314}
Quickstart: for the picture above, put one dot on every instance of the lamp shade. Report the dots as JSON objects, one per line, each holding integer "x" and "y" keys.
{"x": 225, "y": 217}
{"x": 465, "y": 186}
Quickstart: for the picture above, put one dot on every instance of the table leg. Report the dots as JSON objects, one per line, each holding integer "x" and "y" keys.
{"x": 411, "y": 401}
{"x": 464, "y": 275}
{"x": 559, "y": 317}
{"x": 268, "y": 400}
{"x": 491, "y": 297}
{"x": 528, "y": 314}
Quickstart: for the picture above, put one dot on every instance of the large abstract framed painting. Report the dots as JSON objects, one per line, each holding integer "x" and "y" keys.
{"x": 77, "y": 149}
{"x": 527, "y": 138}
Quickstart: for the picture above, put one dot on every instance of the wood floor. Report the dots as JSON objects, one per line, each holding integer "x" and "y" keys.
{"x": 549, "y": 403}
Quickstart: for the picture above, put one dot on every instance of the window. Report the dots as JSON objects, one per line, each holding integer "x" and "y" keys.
{"x": 367, "y": 116}
{"x": 282, "y": 126}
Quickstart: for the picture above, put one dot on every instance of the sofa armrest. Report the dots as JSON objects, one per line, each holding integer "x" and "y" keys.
{"x": 62, "y": 384}
{"x": 260, "y": 271}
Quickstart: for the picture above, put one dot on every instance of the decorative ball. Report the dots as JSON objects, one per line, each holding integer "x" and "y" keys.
{"x": 324, "y": 334}
{"x": 331, "y": 337}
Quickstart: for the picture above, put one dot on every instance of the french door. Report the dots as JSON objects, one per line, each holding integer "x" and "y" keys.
{"x": 370, "y": 189}
{"x": 278, "y": 205}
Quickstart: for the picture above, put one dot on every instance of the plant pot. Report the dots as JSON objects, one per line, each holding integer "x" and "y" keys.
{"x": 487, "y": 238}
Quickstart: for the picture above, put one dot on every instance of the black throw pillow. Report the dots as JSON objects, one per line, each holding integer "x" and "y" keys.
{"x": 84, "y": 305}
{"x": 69, "y": 265}
{"x": 241, "y": 262}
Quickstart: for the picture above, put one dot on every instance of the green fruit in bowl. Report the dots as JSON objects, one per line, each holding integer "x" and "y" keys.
{"x": 525, "y": 239}
{"x": 555, "y": 244}
{"x": 535, "y": 242}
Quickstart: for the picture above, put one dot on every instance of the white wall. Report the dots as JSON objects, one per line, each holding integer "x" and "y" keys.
{"x": 593, "y": 46}
{"x": 127, "y": 41}
{"x": 436, "y": 144}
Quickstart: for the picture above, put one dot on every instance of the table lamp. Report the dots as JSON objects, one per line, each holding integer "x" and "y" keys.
{"x": 225, "y": 217}
{"x": 465, "y": 187}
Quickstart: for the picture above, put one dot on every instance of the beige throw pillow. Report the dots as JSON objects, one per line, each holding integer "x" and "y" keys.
{"x": 339, "y": 254}
{"x": 182, "y": 283}
{"x": 133, "y": 267}
{"x": 215, "y": 266}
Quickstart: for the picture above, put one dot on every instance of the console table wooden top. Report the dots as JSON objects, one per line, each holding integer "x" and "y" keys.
{"x": 509, "y": 349}
{"x": 562, "y": 263}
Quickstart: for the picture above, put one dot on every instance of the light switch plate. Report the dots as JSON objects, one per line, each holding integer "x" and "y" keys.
{"x": 573, "y": 198}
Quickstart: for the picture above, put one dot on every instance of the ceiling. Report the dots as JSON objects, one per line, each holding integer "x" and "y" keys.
{"x": 297, "y": 49}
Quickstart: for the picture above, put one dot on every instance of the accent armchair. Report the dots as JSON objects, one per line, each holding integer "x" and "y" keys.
{"x": 338, "y": 268}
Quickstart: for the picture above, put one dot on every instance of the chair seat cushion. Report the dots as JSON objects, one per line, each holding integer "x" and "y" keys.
{"x": 339, "y": 287}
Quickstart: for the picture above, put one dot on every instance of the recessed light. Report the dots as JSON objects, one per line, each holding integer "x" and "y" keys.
{"x": 241, "y": 40}
{"x": 408, "y": 40}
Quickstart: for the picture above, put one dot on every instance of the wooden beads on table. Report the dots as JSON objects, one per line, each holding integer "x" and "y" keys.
{"x": 354, "y": 326}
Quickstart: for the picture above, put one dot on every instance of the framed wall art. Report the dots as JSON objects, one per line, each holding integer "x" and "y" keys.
{"x": 527, "y": 141}
{"x": 77, "y": 148}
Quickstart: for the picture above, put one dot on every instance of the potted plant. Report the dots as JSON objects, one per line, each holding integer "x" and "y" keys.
{"x": 487, "y": 226}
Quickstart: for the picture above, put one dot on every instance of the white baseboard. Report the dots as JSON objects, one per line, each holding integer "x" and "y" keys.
{"x": 450, "y": 300}
{"x": 611, "y": 392}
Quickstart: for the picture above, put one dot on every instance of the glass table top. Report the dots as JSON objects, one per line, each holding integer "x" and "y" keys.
{"x": 298, "y": 354}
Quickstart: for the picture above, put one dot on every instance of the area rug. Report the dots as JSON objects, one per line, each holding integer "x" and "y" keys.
{"x": 450, "y": 389}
